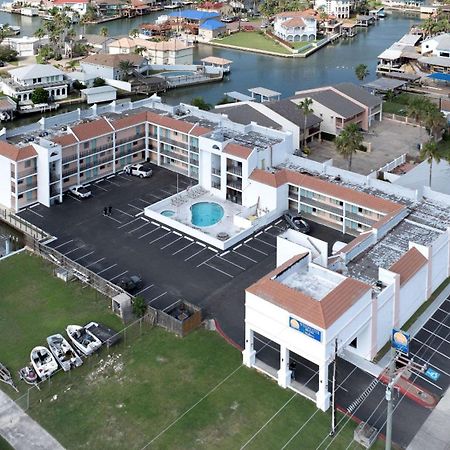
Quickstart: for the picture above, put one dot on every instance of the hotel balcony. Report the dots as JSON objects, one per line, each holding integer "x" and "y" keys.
{"x": 321, "y": 205}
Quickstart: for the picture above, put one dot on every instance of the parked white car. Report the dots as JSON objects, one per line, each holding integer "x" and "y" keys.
{"x": 80, "y": 191}
{"x": 141, "y": 170}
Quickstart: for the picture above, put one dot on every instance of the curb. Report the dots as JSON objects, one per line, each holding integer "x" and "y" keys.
{"x": 226, "y": 337}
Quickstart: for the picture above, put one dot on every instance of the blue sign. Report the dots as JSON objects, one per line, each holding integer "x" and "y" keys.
{"x": 310, "y": 331}
{"x": 400, "y": 341}
{"x": 431, "y": 373}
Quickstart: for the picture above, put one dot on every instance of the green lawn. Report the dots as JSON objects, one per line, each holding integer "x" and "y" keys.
{"x": 4, "y": 445}
{"x": 35, "y": 304}
{"x": 398, "y": 104}
{"x": 253, "y": 40}
{"x": 153, "y": 386}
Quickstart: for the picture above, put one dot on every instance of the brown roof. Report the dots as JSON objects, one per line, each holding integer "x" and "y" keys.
{"x": 65, "y": 139}
{"x": 238, "y": 150}
{"x": 176, "y": 124}
{"x": 409, "y": 264}
{"x": 294, "y": 22}
{"x": 307, "y": 13}
{"x": 352, "y": 244}
{"x": 16, "y": 153}
{"x": 90, "y": 130}
{"x": 129, "y": 121}
{"x": 322, "y": 313}
{"x": 108, "y": 60}
{"x": 325, "y": 187}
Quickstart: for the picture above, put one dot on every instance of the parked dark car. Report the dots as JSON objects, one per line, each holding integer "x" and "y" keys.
{"x": 296, "y": 222}
{"x": 130, "y": 283}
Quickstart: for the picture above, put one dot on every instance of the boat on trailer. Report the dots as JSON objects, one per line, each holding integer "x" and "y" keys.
{"x": 5, "y": 377}
{"x": 83, "y": 339}
{"x": 29, "y": 375}
{"x": 43, "y": 361}
{"x": 63, "y": 352}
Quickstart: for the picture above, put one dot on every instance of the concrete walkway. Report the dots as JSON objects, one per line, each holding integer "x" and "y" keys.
{"x": 435, "y": 432}
{"x": 22, "y": 432}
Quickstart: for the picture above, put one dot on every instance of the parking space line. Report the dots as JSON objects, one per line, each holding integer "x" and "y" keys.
{"x": 138, "y": 228}
{"x": 137, "y": 207}
{"x": 256, "y": 250}
{"x": 117, "y": 276}
{"x": 195, "y": 254}
{"x": 264, "y": 242}
{"x": 100, "y": 187}
{"x": 60, "y": 245}
{"x": 257, "y": 234}
{"x": 435, "y": 350}
{"x": 244, "y": 256}
{"x": 145, "y": 289}
{"x": 181, "y": 249}
{"x": 414, "y": 355}
{"x": 112, "y": 182}
{"x": 219, "y": 270}
{"x": 279, "y": 221}
{"x": 167, "y": 192}
{"x": 231, "y": 262}
{"x": 157, "y": 239}
{"x": 145, "y": 201}
{"x": 84, "y": 256}
{"x": 173, "y": 242}
{"x": 156, "y": 298}
{"x": 440, "y": 323}
{"x": 73, "y": 197}
{"x": 428, "y": 381}
{"x": 104, "y": 270}
{"x": 95, "y": 262}
{"x": 174, "y": 303}
{"x": 113, "y": 218}
{"x": 268, "y": 228}
{"x": 165, "y": 228}
{"x": 434, "y": 334}
{"x": 74, "y": 250}
{"x": 206, "y": 260}
{"x": 123, "y": 212}
{"x": 34, "y": 212}
{"x": 150, "y": 232}
{"x": 128, "y": 223}
{"x": 443, "y": 310}
{"x": 123, "y": 178}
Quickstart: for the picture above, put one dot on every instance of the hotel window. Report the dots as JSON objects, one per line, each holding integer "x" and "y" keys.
{"x": 28, "y": 163}
{"x": 86, "y": 145}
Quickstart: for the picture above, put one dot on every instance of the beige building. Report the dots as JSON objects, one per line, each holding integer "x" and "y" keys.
{"x": 164, "y": 52}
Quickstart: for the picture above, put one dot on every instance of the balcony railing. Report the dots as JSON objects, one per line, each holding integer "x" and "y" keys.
{"x": 129, "y": 139}
{"x": 132, "y": 150}
{"x": 215, "y": 185}
{"x": 26, "y": 187}
{"x": 97, "y": 149}
{"x": 69, "y": 158}
{"x": 181, "y": 144}
{"x": 69, "y": 172}
{"x": 96, "y": 162}
{"x": 215, "y": 171}
{"x": 235, "y": 170}
{"x": 359, "y": 218}
{"x": 322, "y": 205}
{"x": 174, "y": 155}
{"x": 54, "y": 177}
{"x": 235, "y": 184}
{"x": 26, "y": 173}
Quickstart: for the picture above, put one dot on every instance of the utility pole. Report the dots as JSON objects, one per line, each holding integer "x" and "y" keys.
{"x": 333, "y": 390}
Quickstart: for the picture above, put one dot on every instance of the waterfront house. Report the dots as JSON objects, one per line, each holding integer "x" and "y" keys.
{"x": 211, "y": 29}
{"x": 173, "y": 51}
{"x": 78, "y": 6}
{"x": 436, "y": 46}
{"x": 224, "y": 9}
{"x": 295, "y": 26}
{"x": 339, "y": 9}
{"x": 221, "y": 63}
{"x": 107, "y": 66}
{"x": 25, "y": 46}
{"x": 110, "y": 8}
{"x": 398, "y": 54}
{"x": 341, "y": 105}
{"x": 25, "y": 80}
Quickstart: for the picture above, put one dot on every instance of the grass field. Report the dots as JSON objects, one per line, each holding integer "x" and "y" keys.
{"x": 253, "y": 40}
{"x": 153, "y": 388}
{"x": 35, "y": 304}
{"x": 4, "y": 445}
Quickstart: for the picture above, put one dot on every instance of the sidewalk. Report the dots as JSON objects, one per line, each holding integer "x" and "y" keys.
{"x": 435, "y": 432}
{"x": 22, "y": 432}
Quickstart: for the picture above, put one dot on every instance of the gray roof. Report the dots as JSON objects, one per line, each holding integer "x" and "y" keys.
{"x": 293, "y": 113}
{"x": 334, "y": 101}
{"x": 435, "y": 61}
{"x": 359, "y": 94}
{"x": 35, "y": 71}
{"x": 98, "y": 90}
{"x": 385, "y": 84}
{"x": 244, "y": 114}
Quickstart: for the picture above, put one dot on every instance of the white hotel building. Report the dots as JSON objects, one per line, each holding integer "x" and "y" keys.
{"x": 312, "y": 299}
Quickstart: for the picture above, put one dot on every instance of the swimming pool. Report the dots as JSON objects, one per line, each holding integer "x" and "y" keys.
{"x": 167, "y": 213}
{"x": 177, "y": 73}
{"x": 205, "y": 214}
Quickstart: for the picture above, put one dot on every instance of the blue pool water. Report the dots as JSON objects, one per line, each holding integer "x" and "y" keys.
{"x": 167, "y": 213}
{"x": 205, "y": 214}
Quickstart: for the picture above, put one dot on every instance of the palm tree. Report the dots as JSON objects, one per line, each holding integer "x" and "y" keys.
{"x": 126, "y": 66}
{"x": 430, "y": 153}
{"x": 305, "y": 107}
{"x": 134, "y": 33}
{"x": 348, "y": 142}
{"x": 435, "y": 121}
{"x": 361, "y": 71}
{"x": 39, "y": 33}
{"x": 104, "y": 31}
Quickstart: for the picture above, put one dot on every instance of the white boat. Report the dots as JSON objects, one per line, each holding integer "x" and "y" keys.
{"x": 174, "y": 5}
{"x": 63, "y": 352}
{"x": 29, "y": 375}
{"x": 83, "y": 339}
{"x": 43, "y": 362}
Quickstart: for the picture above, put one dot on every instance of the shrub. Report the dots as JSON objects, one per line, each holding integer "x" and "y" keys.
{"x": 139, "y": 307}
{"x": 39, "y": 95}
{"x": 99, "y": 82}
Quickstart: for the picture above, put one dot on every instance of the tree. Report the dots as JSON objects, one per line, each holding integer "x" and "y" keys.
{"x": 71, "y": 64}
{"x": 104, "y": 31}
{"x": 39, "y": 95}
{"x": 78, "y": 85}
{"x": 98, "y": 82}
{"x": 349, "y": 142}
{"x": 200, "y": 103}
{"x": 435, "y": 122}
{"x": 361, "y": 71}
{"x": 430, "y": 153}
{"x": 39, "y": 33}
{"x": 126, "y": 67}
{"x": 305, "y": 107}
{"x": 139, "y": 306}
{"x": 7, "y": 53}
{"x": 224, "y": 100}
{"x": 134, "y": 33}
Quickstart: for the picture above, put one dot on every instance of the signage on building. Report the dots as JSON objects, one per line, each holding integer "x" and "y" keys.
{"x": 400, "y": 341}
{"x": 310, "y": 331}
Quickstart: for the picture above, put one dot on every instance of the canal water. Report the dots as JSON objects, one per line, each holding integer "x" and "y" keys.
{"x": 332, "y": 64}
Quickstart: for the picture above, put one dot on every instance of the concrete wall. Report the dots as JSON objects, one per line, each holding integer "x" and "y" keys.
{"x": 5, "y": 182}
